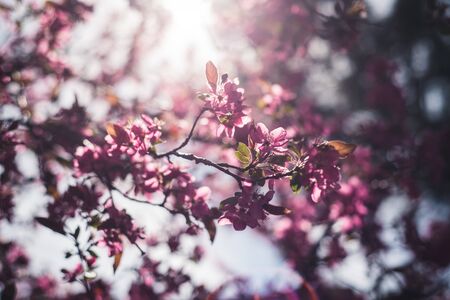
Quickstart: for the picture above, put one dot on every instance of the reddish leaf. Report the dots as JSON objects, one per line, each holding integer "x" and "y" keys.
{"x": 228, "y": 202}
{"x": 343, "y": 148}
{"x": 212, "y": 75}
{"x": 358, "y": 8}
{"x": 111, "y": 130}
{"x": 310, "y": 291}
{"x": 117, "y": 133}
{"x": 117, "y": 259}
{"x": 213, "y": 295}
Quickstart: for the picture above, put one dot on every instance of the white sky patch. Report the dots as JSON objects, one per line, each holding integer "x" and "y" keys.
{"x": 354, "y": 271}
{"x": 420, "y": 57}
{"x": 27, "y": 163}
{"x": 114, "y": 20}
{"x": 9, "y": 111}
{"x": 318, "y": 48}
{"x": 251, "y": 255}
{"x": 392, "y": 209}
{"x": 434, "y": 101}
{"x": 380, "y": 9}
{"x": 187, "y": 41}
{"x": 396, "y": 257}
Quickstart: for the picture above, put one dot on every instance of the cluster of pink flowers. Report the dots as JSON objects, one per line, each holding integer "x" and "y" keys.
{"x": 119, "y": 223}
{"x": 180, "y": 185}
{"x": 226, "y": 101}
{"x": 94, "y": 159}
{"x": 275, "y": 97}
{"x": 320, "y": 172}
{"x": 76, "y": 272}
{"x": 148, "y": 285}
{"x": 75, "y": 198}
{"x": 139, "y": 138}
{"x": 147, "y": 177}
{"x": 350, "y": 204}
{"x": 246, "y": 208}
{"x": 266, "y": 142}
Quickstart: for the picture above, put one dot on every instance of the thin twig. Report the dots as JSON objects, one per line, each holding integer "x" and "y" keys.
{"x": 186, "y": 141}
{"x": 162, "y": 204}
{"x": 279, "y": 175}
{"x": 84, "y": 281}
{"x": 201, "y": 160}
{"x": 231, "y": 166}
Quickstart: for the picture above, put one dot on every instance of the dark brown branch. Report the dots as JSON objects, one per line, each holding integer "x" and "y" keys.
{"x": 82, "y": 257}
{"x": 231, "y": 166}
{"x": 186, "y": 141}
{"x": 206, "y": 162}
{"x": 279, "y": 175}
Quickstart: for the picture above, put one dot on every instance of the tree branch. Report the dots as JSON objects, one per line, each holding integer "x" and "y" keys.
{"x": 201, "y": 160}
{"x": 186, "y": 141}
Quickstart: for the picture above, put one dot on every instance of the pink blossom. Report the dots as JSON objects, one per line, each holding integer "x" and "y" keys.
{"x": 146, "y": 177}
{"x": 266, "y": 142}
{"x": 199, "y": 207}
{"x": 246, "y": 208}
{"x": 141, "y": 136}
{"x": 119, "y": 223}
{"x": 319, "y": 172}
{"x": 227, "y": 105}
{"x": 72, "y": 275}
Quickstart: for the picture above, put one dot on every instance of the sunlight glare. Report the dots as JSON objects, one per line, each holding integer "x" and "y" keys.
{"x": 188, "y": 38}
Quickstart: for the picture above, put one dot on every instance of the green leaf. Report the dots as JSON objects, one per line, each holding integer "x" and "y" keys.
{"x": 95, "y": 221}
{"x": 243, "y": 154}
{"x": 223, "y": 119}
{"x": 229, "y": 201}
{"x": 92, "y": 253}
{"x": 256, "y": 175}
{"x": 202, "y": 96}
{"x": 294, "y": 149}
{"x": 295, "y": 183}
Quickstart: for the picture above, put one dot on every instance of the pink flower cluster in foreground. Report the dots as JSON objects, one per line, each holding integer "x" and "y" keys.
{"x": 268, "y": 156}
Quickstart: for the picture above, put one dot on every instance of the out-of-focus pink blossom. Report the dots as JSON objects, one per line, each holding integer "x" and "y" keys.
{"x": 139, "y": 138}
{"x": 199, "y": 207}
{"x": 119, "y": 223}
